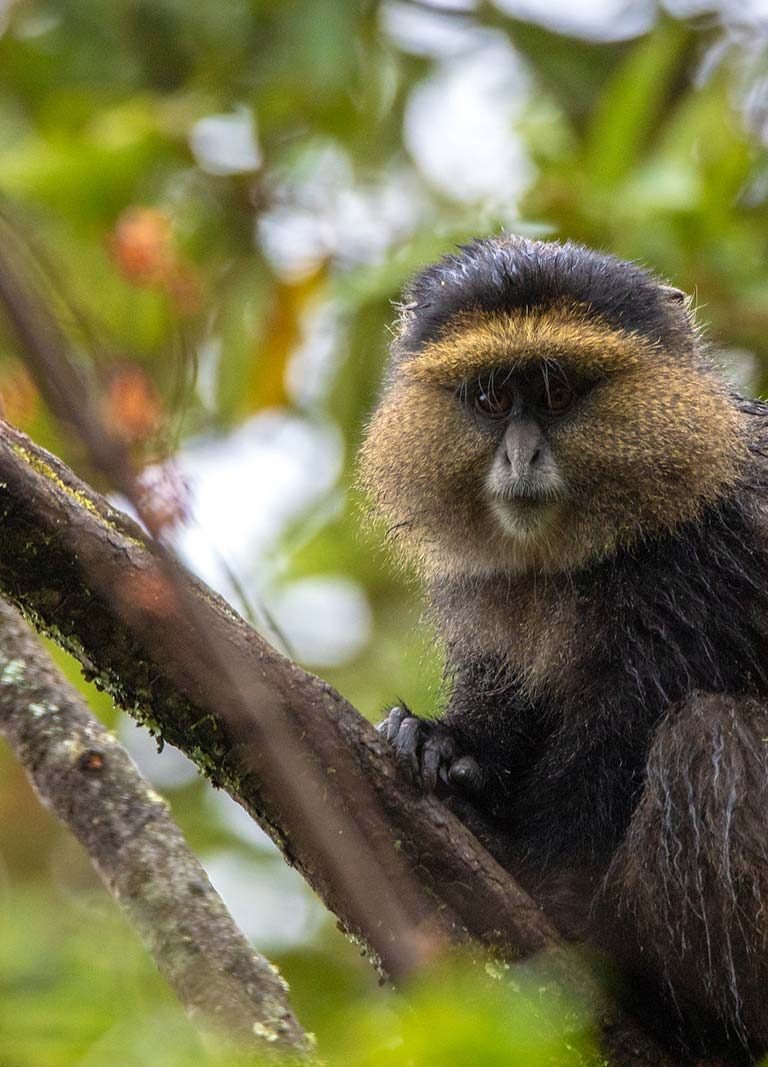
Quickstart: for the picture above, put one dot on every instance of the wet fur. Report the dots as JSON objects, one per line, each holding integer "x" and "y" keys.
{"x": 634, "y": 808}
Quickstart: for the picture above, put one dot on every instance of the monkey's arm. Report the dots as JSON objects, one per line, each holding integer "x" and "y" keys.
{"x": 691, "y": 876}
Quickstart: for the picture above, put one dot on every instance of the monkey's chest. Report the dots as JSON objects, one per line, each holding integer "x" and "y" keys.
{"x": 536, "y": 633}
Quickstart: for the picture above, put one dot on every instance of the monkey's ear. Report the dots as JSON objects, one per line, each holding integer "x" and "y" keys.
{"x": 677, "y": 296}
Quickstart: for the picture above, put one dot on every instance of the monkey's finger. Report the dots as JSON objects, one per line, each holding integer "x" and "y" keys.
{"x": 438, "y": 751}
{"x": 406, "y": 744}
{"x": 390, "y": 726}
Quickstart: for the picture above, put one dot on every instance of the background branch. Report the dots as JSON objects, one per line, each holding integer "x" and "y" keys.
{"x": 86, "y": 778}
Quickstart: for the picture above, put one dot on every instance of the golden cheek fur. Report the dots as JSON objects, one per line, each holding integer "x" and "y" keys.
{"x": 652, "y": 447}
{"x": 420, "y": 462}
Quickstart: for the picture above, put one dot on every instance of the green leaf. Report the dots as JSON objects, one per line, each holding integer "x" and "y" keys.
{"x": 633, "y": 103}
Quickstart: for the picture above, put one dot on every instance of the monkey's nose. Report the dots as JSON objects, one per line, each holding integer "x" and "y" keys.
{"x": 524, "y": 446}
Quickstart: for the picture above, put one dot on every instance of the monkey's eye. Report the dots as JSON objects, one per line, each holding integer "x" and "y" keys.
{"x": 494, "y": 403}
{"x": 555, "y": 397}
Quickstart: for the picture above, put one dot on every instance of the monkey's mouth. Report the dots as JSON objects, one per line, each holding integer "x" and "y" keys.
{"x": 529, "y": 488}
{"x": 524, "y": 505}
{"x": 523, "y": 493}
{"x": 521, "y": 514}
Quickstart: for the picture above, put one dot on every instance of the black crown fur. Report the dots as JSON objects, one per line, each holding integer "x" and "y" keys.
{"x": 497, "y": 274}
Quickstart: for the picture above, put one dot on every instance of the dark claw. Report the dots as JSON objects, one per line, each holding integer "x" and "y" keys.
{"x": 403, "y": 732}
{"x": 390, "y": 726}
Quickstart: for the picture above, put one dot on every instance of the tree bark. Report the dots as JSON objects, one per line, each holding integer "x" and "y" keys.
{"x": 86, "y": 778}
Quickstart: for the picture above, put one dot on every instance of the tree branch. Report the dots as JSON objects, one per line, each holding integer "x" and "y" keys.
{"x": 87, "y": 575}
{"x": 86, "y": 778}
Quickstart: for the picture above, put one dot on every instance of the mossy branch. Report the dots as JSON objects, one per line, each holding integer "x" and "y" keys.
{"x": 85, "y": 574}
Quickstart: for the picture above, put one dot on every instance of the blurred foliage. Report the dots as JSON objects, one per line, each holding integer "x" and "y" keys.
{"x": 223, "y": 201}
{"x": 111, "y": 1010}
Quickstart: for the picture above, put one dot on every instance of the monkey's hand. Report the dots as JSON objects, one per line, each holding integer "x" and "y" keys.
{"x": 430, "y": 751}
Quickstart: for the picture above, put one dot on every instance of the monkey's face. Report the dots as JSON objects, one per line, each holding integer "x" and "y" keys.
{"x": 541, "y": 441}
{"x": 518, "y": 408}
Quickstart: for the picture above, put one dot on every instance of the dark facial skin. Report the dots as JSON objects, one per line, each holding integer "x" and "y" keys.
{"x": 519, "y": 409}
